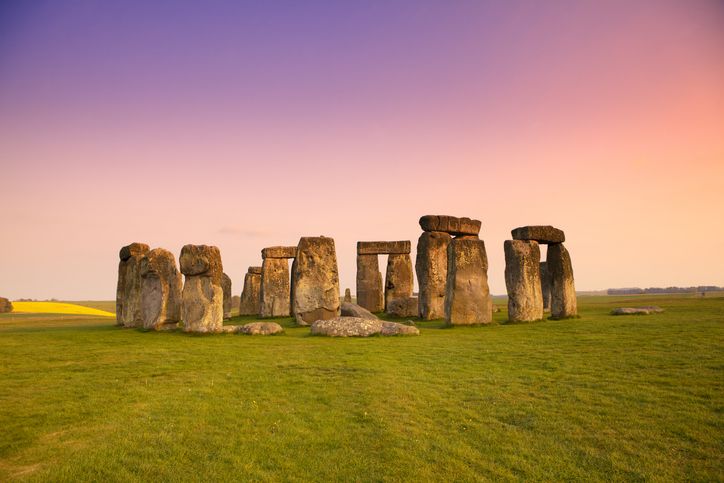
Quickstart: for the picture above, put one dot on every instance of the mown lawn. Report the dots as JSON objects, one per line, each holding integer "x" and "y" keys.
{"x": 595, "y": 398}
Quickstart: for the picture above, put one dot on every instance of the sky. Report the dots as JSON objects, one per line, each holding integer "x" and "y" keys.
{"x": 250, "y": 124}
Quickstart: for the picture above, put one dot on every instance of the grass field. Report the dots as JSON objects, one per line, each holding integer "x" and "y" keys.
{"x": 597, "y": 398}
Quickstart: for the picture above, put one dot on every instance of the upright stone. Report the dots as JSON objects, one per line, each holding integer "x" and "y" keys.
{"x": 467, "y": 299}
{"x": 522, "y": 279}
{"x": 369, "y": 283}
{"x": 545, "y": 282}
{"x": 398, "y": 279}
{"x": 161, "y": 287}
{"x": 316, "y": 281}
{"x": 226, "y": 287}
{"x": 6, "y": 306}
{"x": 563, "y": 289}
{"x": 431, "y": 268}
{"x": 347, "y": 296}
{"x": 128, "y": 290}
{"x": 275, "y": 290}
{"x": 203, "y": 296}
{"x": 250, "y": 303}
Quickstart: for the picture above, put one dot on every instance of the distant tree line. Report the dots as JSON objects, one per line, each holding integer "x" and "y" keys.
{"x": 651, "y": 290}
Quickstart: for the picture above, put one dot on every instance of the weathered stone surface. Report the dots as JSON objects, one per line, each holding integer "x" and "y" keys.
{"x": 347, "y": 327}
{"x": 522, "y": 279}
{"x": 645, "y": 310}
{"x": 404, "y": 307}
{"x": 316, "y": 280}
{"x": 279, "y": 252}
{"x": 467, "y": 299}
{"x": 250, "y": 303}
{"x": 261, "y": 328}
{"x": 563, "y": 288}
{"x": 431, "y": 268}
{"x": 203, "y": 296}
{"x": 542, "y": 234}
{"x": 349, "y": 309}
{"x": 399, "y": 278}
{"x": 545, "y": 282}
{"x": 393, "y": 328}
{"x": 450, "y": 224}
{"x": 275, "y": 289}
{"x": 369, "y": 283}
{"x": 226, "y": 288}
{"x": 383, "y": 247}
{"x": 6, "y": 306}
{"x": 128, "y": 289}
{"x": 347, "y": 296}
{"x": 161, "y": 288}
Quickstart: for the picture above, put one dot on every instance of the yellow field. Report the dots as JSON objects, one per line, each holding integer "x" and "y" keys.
{"x": 57, "y": 308}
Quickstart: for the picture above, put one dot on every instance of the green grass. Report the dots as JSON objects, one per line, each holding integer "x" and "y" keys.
{"x": 595, "y": 398}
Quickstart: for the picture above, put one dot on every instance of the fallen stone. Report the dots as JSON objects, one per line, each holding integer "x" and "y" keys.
{"x": 522, "y": 280}
{"x": 450, "y": 224}
{"x": 275, "y": 290}
{"x": 347, "y": 327}
{"x": 316, "y": 281}
{"x": 467, "y": 298}
{"x": 128, "y": 289}
{"x": 347, "y": 296}
{"x": 645, "y": 310}
{"x": 431, "y": 268}
{"x": 383, "y": 247}
{"x": 6, "y": 306}
{"x": 563, "y": 289}
{"x": 261, "y": 328}
{"x": 349, "y": 309}
{"x": 226, "y": 287}
{"x": 369, "y": 283}
{"x": 161, "y": 289}
{"x": 250, "y": 303}
{"x": 393, "y": 328}
{"x": 203, "y": 296}
{"x": 399, "y": 278}
{"x": 279, "y": 252}
{"x": 404, "y": 307}
{"x": 539, "y": 233}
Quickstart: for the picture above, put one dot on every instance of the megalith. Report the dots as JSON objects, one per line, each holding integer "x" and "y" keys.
{"x": 128, "y": 289}
{"x": 6, "y": 306}
{"x": 316, "y": 281}
{"x": 275, "y": 292}
{"x": 563, "y": 289}
{"x": 226, "y": 287}
{"x": 467, "y": 297}
{"x": 347, "y": 296}
{"x": 399, "y": 278}
{"x": 250, "y": 303}
{"x": 203, "y": 296}
{"x": 431, "y": 268}
{"x": 369, "y": 283}
{"x": 161, "y": 288}
{"x": 543, "y": 234}
{"x": 545, "y": 282}
{"x": 522, "y": 280}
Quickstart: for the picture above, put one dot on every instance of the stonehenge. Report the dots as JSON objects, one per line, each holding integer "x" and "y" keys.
{"x": 399, "y": 279}
{"x": 226, "y": 287}
{"x": 467, "y": 295}
{"x": 161, "y": 288}
{"x": 275, "y": 292}
{"x": 316, "y": 281}
{"x": 250, "y": 303}
{"x": 128, "y": 289}
{"x": 203, "y": 295}
{"x": 532, "y": 283}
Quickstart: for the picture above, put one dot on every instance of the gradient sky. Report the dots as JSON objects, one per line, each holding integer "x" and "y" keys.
{"x": 246, "y": 125}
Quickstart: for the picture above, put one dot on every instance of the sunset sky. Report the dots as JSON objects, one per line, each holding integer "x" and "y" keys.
{"x": 246, "y": 125}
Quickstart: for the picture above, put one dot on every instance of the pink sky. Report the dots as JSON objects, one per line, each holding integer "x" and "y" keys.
{"x": 245, "y": 127}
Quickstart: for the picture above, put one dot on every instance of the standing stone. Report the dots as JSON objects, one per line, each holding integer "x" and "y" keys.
{"x": 6, "y": 306}
{"x": 563, "y": 289}
{"x": 467, "y": 299}
{"x": 128, "y": 290}
{"x": 161, "y": 287}
{"x": 369, "y": 283}
{"x": 203, "y": 296}
{"x": 398, "y": 279}
{"x": 250, "y": 303}
{"x": 522, "y": 279}
{"x": 347, "y": 296}
{"x": 431, "y": 268}
{"x": 316, "y": 281}
{"x": 275, "y": 288}
{"x": 545, "y": 282}
{"x": 226, "y": 287}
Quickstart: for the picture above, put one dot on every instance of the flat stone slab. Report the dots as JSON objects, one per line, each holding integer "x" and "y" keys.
{"x": 359, "y": 327}
{"x": 450, "y": 224}
{"x": 353, "y": 310}
{"x": 540, "y": 233}
{"x": 645, "y": 310}
{"x": 393, "y": 328}
{"x": 279, "y": 252}
{"x": 254, "y": 270}
{"x": 383, "y": 247}
{"x": 254, "y": 328}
